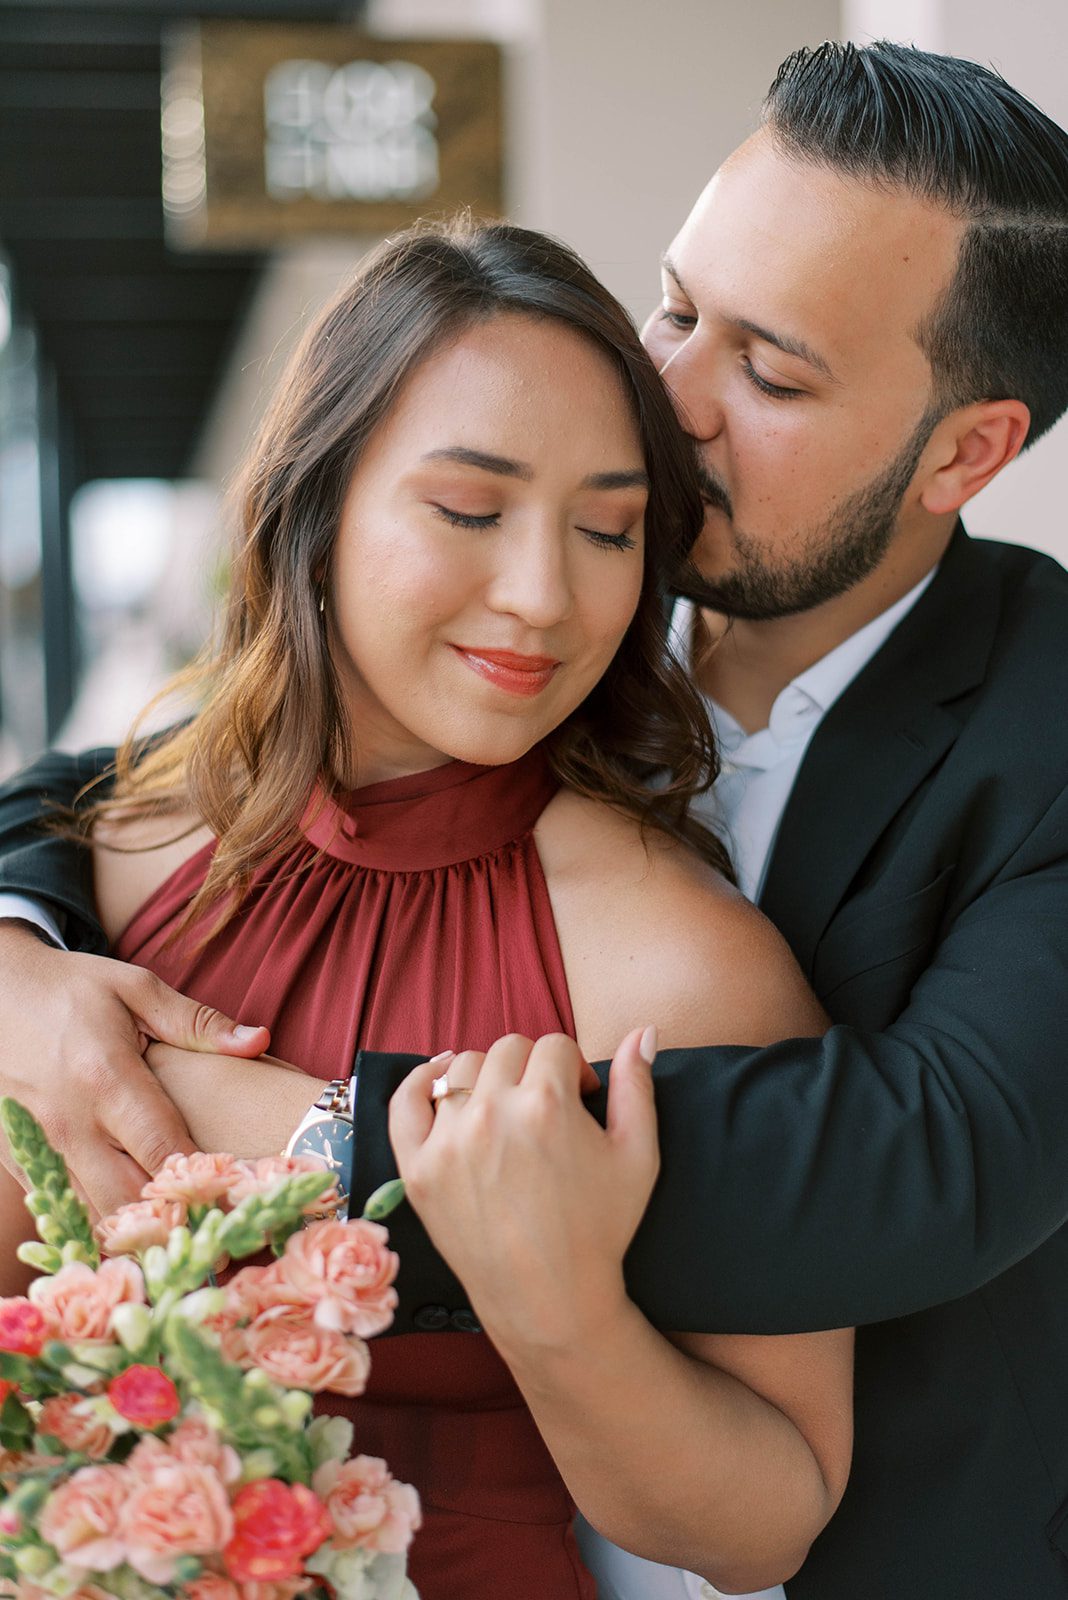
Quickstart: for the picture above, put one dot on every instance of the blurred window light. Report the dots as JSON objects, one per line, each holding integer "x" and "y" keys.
{"x": 121, "y": 534}
{"x": 5, "y": 306}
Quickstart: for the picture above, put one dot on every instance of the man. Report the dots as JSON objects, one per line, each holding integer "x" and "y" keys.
{"x": 863, "y": 319}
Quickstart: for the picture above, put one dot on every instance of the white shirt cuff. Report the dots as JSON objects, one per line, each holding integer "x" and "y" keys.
{"x": 27, "y": 910}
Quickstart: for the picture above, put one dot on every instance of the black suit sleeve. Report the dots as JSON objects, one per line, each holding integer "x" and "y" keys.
{"x": 42, "y": 864}
{"x": 860, "y": 1177}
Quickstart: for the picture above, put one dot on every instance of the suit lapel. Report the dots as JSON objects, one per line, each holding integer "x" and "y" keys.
{"x": 877, "y": 743}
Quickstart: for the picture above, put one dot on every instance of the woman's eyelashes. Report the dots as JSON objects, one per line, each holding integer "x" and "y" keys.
{"x": 464, "y": 519}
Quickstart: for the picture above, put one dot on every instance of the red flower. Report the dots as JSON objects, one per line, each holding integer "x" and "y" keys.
{"x": 144, "y": 1396}
{"x": 23, "y": 1327}
{"x": 275, "y": 1526}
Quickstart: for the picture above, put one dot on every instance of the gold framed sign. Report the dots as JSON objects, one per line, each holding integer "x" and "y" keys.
{"x": 273, "y": 131}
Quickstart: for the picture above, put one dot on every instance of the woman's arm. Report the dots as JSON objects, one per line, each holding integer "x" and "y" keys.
{"x": 723, "y": 1455}
{"x": 248, "y": 1108}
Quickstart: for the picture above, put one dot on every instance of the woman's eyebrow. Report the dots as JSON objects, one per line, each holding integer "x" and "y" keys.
{"x": 505, "y": 467}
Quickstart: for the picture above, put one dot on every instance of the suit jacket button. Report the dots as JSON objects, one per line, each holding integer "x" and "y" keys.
{"x": 465, "y": 1321}
{"x": 430, "y": 1319}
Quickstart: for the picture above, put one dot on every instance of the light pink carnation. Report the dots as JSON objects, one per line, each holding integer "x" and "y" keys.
{"x": 297, "y": 1353}
{"x": 345, "y": 1271}
{"x": 195, "y": 1440}
{"x": 256, "y": 1177}
{"x": 181, "y": 1508}
{"x": 133, "y": 1228}
{"x": 196, "y": 1180}
{"x": 254, "y": 1291}
{"x": 367, "y": 1506}
{"x": 76, "y": 1428}
{"x": 81, "y": 1518}
{"x": 78, "y": 1301}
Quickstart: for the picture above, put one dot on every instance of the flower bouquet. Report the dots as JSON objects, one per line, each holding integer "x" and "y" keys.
{"x": 156, "y": 1435}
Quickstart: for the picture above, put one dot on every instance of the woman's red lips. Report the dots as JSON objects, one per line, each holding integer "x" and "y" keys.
{"x": 518, "y": 674}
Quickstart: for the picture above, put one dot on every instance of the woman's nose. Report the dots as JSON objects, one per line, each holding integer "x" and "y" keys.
{"x": 532, "y": 580}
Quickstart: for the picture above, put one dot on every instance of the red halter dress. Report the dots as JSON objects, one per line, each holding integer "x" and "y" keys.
{"x": 413, "y": 917}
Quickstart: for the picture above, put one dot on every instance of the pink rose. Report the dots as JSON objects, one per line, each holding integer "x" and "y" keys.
{"x": 133, "y": 1228}
{"x": 181, "y": 1508}
{"x": 345, "y": 1271}
{"x": 81, "y": 1518}
{"x": 295, "y": 1352}
{"x": 367, "y": 1506}
{"x": 256, "y": 1177}
{"x": 24, "y": 1327}
{"x": 77, "y": 1427}
{"x": 195, "y": 1180}
{"x": 275, "y": 1526}
{"x": 79, "y": 1302}
{"x": 145, "y": 1396}
{"x": 195, "y": 1440}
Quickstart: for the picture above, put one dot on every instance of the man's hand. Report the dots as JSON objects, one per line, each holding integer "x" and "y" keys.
{"x": 531, "y": 1202}
{"x": 73, "y": 1031}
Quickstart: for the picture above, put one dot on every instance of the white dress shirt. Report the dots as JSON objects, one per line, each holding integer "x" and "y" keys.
{"x": 758, "y": 771}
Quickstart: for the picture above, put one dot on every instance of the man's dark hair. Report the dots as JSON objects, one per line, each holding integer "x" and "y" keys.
{"x": 955, "y": 133}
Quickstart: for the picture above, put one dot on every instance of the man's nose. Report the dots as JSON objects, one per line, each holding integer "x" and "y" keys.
{"x": 533, "y": 581}
{"x": 693, "y": 378}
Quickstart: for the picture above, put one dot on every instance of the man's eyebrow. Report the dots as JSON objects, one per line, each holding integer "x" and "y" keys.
{"x": 787, "y": 344}
{"x": 782, "y": 341}
{"x": 505, "y": 467}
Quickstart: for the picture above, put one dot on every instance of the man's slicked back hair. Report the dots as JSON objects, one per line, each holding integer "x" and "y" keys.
{"x": 956, "y": 134}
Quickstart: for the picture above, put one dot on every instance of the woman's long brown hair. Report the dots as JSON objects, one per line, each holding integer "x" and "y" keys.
{"x": 271, "y": 725}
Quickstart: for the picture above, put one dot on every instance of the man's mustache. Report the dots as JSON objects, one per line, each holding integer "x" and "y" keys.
{"x": 713, "y": 492}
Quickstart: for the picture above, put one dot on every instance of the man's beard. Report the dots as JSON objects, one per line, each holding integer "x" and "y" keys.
{"x": 834, "y": 556}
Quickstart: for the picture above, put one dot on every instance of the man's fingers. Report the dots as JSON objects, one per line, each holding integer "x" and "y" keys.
{"x": 110, "y": 1180}
{"x": 143, "y": 1121}
{"x": 631, "y": 1115}
{"x": 174, "y": 1019}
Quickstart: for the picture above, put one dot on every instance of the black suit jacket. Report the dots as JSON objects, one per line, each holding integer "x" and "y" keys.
{"x": 910, "y": 1171}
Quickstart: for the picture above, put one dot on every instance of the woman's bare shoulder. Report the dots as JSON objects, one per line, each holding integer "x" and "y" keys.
{"x": 133, "y": 856}
{"x": 651, "y": 933}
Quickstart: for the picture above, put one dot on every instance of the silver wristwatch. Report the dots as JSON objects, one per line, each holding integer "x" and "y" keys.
{"x": 327, "y": 1132}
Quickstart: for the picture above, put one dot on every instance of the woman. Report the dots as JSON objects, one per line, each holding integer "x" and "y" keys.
{"x": 442, "y": 763}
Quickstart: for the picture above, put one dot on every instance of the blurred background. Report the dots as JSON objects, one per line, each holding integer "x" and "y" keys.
{"x": 183, "y": 184}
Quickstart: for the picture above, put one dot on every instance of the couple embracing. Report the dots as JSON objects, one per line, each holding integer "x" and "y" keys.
{"x": 510, "y": 691}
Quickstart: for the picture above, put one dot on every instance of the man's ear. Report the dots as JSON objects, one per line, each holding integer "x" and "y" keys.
{"x": 970, "y": 447}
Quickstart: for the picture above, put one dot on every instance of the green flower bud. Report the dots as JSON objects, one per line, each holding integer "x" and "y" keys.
{"x": 186, "y": 1568}
{"x": 34, "y": 1560}
{"x": 75, "y": 1250}
{"x": 154, "y": 1264}
{"x": 38, "y": 1203}
{"x": 267, "y": 1417}
{"x": 386, "y": 1198}
{"x": 258, "y": 1464}
{"x": 132, "y": 1325}
{"x": 330, "y": 1439}
{"x": 179, "y": 1246}
{"x": 202, "y": 1303}
{"x": 256, "y": 1378}
{"x": 41, "y": 1257}
{"x": 295, "y": 1407}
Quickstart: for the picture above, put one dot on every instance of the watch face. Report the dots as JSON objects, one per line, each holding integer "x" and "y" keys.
{"x": 331, "y": 1140}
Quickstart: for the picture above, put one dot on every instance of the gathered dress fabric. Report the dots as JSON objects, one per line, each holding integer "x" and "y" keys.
{"x": 412, "y": 916}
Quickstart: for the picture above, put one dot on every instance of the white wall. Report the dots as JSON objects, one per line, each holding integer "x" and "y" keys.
{"x": 1028, "y": 44}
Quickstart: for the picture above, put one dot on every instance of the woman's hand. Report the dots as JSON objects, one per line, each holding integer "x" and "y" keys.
{"x": 532, "y": 1203}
